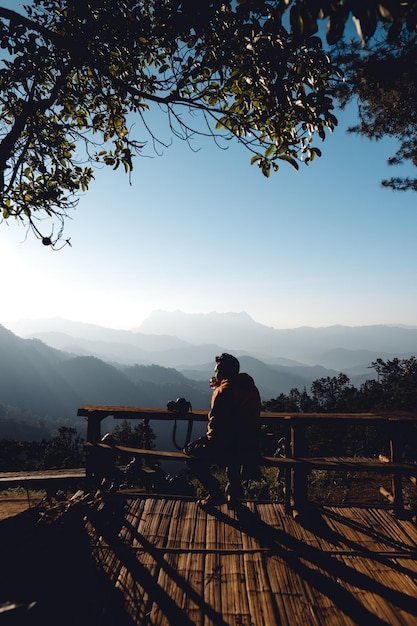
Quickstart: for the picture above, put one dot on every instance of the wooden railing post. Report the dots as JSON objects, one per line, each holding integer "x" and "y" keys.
{"x": 93, "y": 436}
{"x": 288, "y": 472}
{"x": 299, "y": 474}
{"x": 396, "y": 453}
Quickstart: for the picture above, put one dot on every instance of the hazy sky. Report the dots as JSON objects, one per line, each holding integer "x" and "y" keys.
{"x": 203, "y": 231}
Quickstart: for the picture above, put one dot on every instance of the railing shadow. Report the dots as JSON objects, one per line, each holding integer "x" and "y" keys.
{"x": 343, "y": 584}
{"x": 324, "y": 571}
{"x": 151, "y": 592}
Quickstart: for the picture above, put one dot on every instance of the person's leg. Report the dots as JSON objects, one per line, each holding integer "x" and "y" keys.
{"x": 234, "y": 489}
{"x": 200, "y": 469}
{"x": 202, "y": 457}
{"x": 251, "y": 471}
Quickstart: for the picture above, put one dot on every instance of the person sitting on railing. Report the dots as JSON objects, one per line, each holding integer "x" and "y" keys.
{"x": 233, "y": 433}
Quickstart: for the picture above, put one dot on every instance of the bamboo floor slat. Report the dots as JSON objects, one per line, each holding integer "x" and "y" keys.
{"x": 176, "y": 563}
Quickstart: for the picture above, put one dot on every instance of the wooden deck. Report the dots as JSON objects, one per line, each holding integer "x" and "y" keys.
{"x": 178, "y": 564}
{"x": 48, "y": 479}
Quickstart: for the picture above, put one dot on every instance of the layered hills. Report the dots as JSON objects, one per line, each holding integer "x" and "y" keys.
{"x": 51, "y": 367}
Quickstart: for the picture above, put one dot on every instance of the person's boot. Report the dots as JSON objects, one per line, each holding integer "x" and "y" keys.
{"x": 213, "y": 499}
{"x": 234, "y": 495}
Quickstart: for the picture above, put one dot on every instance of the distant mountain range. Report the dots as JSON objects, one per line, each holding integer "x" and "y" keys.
{"x": 57, "y": 365}
{"x": 183, "y": 340}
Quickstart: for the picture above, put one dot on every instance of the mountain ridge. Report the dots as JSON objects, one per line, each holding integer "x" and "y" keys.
{"x": 181, "y": 339}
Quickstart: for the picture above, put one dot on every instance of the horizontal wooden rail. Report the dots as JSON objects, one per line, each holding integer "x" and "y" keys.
{"x": 350, "y": 464}
{"x": 156, "y": 454}
{"x": 41, "y": 478}
{"x": 101, "y": 411}
{"x": 298, "y": 467}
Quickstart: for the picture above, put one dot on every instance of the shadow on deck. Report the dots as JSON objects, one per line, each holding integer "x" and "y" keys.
{"x": 174, "y": 563}
{"x": 147, "y": 560}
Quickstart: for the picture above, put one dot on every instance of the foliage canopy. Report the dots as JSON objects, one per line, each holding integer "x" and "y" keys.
{"x": 75, "y": 73}
{"x": 382, "y": 78}
{"x": 395, "y": 389}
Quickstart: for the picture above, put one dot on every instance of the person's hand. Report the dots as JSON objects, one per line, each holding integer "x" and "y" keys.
{"x": 214, "y": 382}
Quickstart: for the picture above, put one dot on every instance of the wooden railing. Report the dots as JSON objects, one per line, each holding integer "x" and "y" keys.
{"x": 297, "y": 463}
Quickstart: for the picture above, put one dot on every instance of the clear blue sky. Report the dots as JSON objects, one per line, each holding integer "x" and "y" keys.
{"x": 205, "y": 231}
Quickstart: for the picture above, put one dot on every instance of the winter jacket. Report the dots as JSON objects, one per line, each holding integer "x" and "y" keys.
{"x": 234, "y": 417}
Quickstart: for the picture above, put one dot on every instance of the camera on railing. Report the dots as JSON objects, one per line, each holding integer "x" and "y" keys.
{"x": 180, "y": 405}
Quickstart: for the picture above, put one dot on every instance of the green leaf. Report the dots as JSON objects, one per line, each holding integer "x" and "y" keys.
{"x": 290, "y": 160}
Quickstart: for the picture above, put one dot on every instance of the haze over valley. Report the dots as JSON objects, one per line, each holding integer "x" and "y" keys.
{"x": 184, "y": 340}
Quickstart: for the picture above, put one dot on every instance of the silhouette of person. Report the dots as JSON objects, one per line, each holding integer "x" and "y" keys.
{"x": 233, "y": 433}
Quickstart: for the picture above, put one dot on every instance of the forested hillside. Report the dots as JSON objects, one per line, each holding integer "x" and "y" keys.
{"x": 42, "y": 388}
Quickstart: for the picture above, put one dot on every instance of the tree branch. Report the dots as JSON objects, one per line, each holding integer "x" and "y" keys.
{"x": 11, "y": 15}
